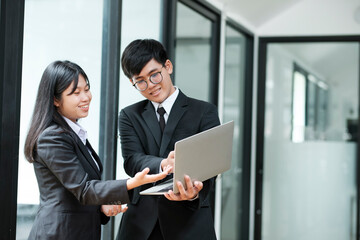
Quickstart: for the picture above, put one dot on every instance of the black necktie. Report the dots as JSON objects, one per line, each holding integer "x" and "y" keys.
{"x": 161, "y": 112}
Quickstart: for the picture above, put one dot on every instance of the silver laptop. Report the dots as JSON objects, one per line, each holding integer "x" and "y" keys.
{"x": 201, "y": 156}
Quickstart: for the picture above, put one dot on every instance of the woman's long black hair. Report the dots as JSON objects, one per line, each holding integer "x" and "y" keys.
{"x": 57, "y": 77}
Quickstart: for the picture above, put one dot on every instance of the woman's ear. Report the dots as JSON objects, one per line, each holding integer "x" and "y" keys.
{"x": 56, "y": 102}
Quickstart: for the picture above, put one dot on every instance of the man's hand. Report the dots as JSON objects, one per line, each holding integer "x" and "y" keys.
{"x": 191, "y": 192}
{"x": 169, "y": 161}
{"x": 143, "y": 177}
{"x": 113, "y": 210}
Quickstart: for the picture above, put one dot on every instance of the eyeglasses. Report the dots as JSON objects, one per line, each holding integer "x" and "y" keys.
{"x": 155, "y": 78}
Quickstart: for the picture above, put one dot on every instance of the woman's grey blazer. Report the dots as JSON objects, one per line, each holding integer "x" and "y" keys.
{"x": 71, "y": 191}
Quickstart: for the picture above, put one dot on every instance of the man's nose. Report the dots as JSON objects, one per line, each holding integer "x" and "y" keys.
{"x": 150, "y": 84}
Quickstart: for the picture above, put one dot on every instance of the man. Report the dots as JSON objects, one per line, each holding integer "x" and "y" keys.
{"x": 186, "y": 215}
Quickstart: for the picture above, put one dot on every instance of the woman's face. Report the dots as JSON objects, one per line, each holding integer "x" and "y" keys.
{"x": 75, "y": 105}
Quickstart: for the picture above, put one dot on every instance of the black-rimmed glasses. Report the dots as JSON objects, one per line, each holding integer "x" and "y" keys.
{"x": 155, "y": 78}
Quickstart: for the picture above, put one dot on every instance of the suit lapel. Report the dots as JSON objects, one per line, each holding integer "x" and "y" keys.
{"x": 177, "y": 110}
{"x": 95, "y": 156}
{"x": 88, "y": 157}
{"x": 152, "y": 122}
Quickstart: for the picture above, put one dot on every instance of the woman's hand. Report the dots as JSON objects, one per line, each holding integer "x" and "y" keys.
{"x": 143, "y": 177}
{"x": 113, "y": 210}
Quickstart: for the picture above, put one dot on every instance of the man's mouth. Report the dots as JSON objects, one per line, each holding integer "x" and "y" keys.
{"x": 155, "y": 92}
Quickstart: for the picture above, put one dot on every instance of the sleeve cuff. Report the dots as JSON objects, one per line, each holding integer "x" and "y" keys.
{"x": 196, "y": 197}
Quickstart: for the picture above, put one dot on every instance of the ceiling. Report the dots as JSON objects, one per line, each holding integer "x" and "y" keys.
{"x": 329, "y": 16}
{"x": 303, "y": 18}
{"x": 328, "y": 59}
{"x": 257, "y": 12}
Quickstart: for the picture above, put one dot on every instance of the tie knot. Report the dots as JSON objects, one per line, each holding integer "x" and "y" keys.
{"x": 161, "y": 111}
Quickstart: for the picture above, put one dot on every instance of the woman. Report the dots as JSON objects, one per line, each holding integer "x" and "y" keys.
{"x": 67, "y": 169}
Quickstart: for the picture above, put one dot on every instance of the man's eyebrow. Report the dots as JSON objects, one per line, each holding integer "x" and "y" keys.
{"x": 149, "y": 73}
{"x": 137, "y": 78}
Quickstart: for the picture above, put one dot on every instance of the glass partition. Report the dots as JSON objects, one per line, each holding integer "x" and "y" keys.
{"x": 134, "y": 26}
{"x": 310, "y": 157}
{"x": 234, "y": 87}
{"x": 192, "y": 53}
{"x": 309, "y": 106}
{"x": 299, "y": 106}
{"x": 55, "y": 30}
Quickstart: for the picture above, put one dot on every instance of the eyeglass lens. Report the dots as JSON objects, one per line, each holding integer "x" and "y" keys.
{"x": 154, "y": 78}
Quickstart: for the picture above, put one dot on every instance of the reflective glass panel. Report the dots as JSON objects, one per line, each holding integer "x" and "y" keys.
{"x": 55, "y": 30}
{"x": 233, "y": 110}
{"x": 192, "y": 53}
{"x": 146, "y": 24}
{"x": 309, "y": 182}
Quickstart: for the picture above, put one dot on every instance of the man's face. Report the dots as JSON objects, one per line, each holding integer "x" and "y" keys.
{"x": 160, "y": 91}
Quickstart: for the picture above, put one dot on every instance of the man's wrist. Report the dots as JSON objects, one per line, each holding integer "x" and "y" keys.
{"x": 194, "y": 198}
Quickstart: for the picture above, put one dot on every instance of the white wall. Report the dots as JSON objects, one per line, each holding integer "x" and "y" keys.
{"x": 309, "y": 191}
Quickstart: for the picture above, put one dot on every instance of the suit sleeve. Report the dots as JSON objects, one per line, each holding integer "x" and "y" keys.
{"x": 135, "y": 157}
{"x": 56, "y": 152}
{"x": 209, "y": 119}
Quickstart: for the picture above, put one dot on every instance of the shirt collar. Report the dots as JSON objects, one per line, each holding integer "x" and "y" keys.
{"x": 169, "y": 102}
{"x": 78, "y": 129}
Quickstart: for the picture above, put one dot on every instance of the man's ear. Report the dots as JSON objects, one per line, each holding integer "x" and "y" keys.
{"x": 169, "y": 66}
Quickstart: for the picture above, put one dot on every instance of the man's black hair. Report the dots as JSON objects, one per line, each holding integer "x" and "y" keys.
{"x": 138, "y": 53}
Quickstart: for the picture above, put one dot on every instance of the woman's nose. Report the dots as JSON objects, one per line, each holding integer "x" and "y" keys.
{"x": 86, "y": 96}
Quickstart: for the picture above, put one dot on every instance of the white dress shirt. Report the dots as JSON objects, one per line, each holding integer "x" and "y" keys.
{"x": 167, "y": 104}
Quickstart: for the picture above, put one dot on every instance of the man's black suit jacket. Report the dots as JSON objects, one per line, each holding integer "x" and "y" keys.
{"x": 144, "y": 146}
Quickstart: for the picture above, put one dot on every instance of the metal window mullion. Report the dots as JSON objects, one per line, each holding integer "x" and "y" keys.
{"x": 11, "y": 45}
{"x": 109, "y": 103}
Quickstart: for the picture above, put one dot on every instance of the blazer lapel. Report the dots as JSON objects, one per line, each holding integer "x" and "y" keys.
{"x": 95, "y": 156}
{"x": 152, "y": 122}
{"x": 88, "y": 157}
{"x": 177, "y": 110}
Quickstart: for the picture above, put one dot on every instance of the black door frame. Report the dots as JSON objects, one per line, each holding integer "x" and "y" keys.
{"x": 109, "y": 100}
{"x": 214, "y": 16}
{"x": 11, "y": 50}
{"x": 262, "y": 56}
{"x": 244, "y": 194}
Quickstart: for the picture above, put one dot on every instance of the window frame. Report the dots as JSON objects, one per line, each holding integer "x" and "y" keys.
{"x": 109, "y": 100}
{"x": 247, "y": 126}
{"x": 11, "y": 45}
